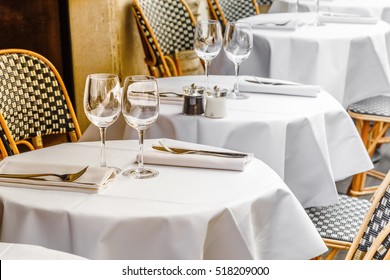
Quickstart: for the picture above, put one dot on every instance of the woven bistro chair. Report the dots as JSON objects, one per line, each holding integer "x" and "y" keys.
{"x": 228, "y": 11}
{"x": 35, "y": 108}
{"x": 264, "y": 5}
{"x": 166, "y": 28}
{"x": 353, "y": 220}
{"x": 372, "y": 119}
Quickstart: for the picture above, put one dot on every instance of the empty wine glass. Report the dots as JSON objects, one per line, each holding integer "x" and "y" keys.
{"x": 102, "y": 105}
{"x": 140, "y": 105}
{"x": 207, "y": 42}
{"x": 237, "y": 43}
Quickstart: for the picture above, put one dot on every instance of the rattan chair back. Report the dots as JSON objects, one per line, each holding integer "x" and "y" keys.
{"x": 33, "y": 102}
{"x": 166, "y": 27}
{"x": 228, "y": 11}
{"x": 373, "y": 239}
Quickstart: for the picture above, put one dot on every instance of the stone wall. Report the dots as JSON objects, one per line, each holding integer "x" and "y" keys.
{"x": 105, "y": 39}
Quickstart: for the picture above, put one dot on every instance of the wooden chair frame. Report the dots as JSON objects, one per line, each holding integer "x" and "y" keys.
{"x": 372, "y": 130}
{"x": 375, "y": 200}
{"x": 37, "y": 141}
{"x": 222, "y": 18}
{"x": 154, "y": 65}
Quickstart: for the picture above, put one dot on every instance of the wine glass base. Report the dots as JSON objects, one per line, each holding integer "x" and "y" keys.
{"x": 140, "y": 173}
{"x": 233, "y": 95}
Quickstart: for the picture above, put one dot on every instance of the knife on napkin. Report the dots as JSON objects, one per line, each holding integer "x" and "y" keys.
{"x": 202, "y": 152}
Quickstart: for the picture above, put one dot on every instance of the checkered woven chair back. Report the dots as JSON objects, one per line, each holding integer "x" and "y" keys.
{"x": 33, "y": 100}
{"x": 228, "y": 11}
{"x": 377, "y": 222}
{"x": 166, "y": 27}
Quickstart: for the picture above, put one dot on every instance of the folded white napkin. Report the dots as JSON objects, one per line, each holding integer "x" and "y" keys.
{"x": 153, "y": 156}
{"x": 167, "y": 96}
{"x": 281, "y": 87}
{"x": 346, "y": 18}
{"x": 93, "y": 180}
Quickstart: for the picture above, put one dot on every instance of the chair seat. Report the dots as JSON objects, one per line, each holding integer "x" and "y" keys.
{"x": 340, "y": 221}
{"x": 377, "y": 106}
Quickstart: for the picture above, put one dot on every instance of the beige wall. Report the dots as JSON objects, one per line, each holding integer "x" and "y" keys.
{"x": 105, "y": 39}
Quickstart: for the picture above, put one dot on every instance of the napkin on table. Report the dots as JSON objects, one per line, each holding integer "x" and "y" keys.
{"x": 346, "y": 18}
{"x": 152, "y": 156}
{"x": 93, "y": 180}
{"x": 288, "y": 88}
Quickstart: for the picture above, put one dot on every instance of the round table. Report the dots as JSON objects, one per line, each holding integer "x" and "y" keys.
{"x": 183, "y": 213}
{"x": 350, "y": 61}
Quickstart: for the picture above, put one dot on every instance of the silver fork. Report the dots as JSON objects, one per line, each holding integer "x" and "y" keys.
{"x": 180, "y": 151}
{"x": 273, "y": 23}
{"x": 69, "y": 177}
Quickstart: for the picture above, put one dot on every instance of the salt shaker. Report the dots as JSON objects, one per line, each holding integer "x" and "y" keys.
{"x": 216, "y": 103}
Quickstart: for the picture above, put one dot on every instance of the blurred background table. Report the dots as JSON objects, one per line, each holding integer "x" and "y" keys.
{"x": 184, "y": 213}
{"x": 373, "y": 8}
{"x": 350, "y": 61}
{"x": 309, "y": 142}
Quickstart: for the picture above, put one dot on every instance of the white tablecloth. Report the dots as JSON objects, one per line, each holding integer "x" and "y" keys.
{"x": 13, "y": 251}
{"x": 184, "y": 213}
{"x": 373, "y": 8}
{"x": 309, "y": 142}
{"x": 350, "y": 61}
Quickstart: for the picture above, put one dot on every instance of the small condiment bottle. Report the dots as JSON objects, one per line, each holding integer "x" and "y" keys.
{"x": 216, "y": 103}
{"x": 193, "y": 100}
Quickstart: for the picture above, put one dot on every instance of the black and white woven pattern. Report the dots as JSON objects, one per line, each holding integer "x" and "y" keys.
{"x": 171, "y": 24}
{"x": 264, "y": 2}
{"x": 32, "y": 101}
{"x": 340, "y": 221}
{"x": 238, "y": 9}
{"x": 377, "y": 106}
{"x": 382, "y": 249}
{"x": 378, "y": 221}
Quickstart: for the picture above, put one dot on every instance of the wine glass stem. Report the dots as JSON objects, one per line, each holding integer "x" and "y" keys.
{"x": 206, "y": 71}
{"x": 236, "y": 89}
{"x": 103, "y": 146}
{"x": 141, "y": 150}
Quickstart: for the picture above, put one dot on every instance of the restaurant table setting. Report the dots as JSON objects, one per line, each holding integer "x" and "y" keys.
{"x": 310, "y": 142}
{"x": 367, "y": 10}
{"x": 349, "y": 61}
{"x": 183, "y": 213}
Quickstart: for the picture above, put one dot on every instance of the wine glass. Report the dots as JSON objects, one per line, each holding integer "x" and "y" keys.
{"x": 237, "y": 43}
{"x": 207, "y": 42}
{"x": 102, "y": 105}
{"x": 140, "y": 106}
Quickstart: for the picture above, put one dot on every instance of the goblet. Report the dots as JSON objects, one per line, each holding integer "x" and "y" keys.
{"x": 140, "y": 106}
{"x": 102, "y": 105}
{"x": 207, "y": 42}
{"x": 237, "y": 43}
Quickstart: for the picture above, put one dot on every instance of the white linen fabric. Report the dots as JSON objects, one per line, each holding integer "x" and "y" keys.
{"x": 309, "y": 142}
{"x": 349, "y": 61}
{"x": 93, "y": 180}
{"x": 325, "y": 17}
{"x": 183, "y": 213}
{"x": 373, "y": 8}
{"x": 12, "y": 251}
{"x": 195, "y": 160}
{"x": 249, "y": 84}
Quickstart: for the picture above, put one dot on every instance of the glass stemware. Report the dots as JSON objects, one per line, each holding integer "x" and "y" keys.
{"x": 207, "y": 42}
{"x": 237, "y": 43}
{"x": 140, "y": 106}
{"x": 102, "y": 105}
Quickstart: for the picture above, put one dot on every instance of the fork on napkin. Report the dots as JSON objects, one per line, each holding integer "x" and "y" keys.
{"x": 204, "y": 159}
{"x": 262, "y": 85}
{"x": 93, "y": 180}
{"x": 346, "y": 18}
